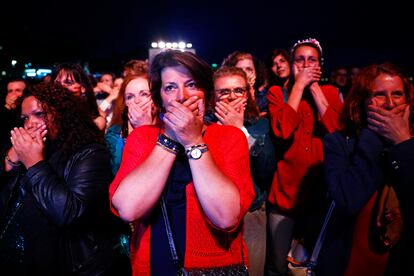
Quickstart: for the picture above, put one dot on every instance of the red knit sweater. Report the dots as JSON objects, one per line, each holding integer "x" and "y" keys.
{"x": 299, "y": 173}
{"x": 206, "y": 246}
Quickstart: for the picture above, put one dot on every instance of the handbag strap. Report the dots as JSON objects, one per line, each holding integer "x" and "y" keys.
{"x": 315, "y": 253}
{"x": 174, "y": 254}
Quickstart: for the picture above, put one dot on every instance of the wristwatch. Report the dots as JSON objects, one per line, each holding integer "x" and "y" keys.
{"x": 195, "y": 152}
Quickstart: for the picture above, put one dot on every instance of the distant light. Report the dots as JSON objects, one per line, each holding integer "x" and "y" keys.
{"x": 30, "y": 71}
{"x": 43, "y": 72}
{"x": 161, "y": 44}
{"x": 31, "y": 74}
{"x": 181, "y": 45}
{"x": 214, "y": 65}
{"x": 154, "y": 44}
{"x": 174, "y": 44}
{"x": 3, "y": 73}
{"x": 168, "y": 45}
{"x": 1, "y": 47}
{"x": 13, "y": 62}
{"x": 189, "y": 45}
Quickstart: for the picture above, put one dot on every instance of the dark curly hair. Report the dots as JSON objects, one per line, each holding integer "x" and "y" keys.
{"x": 75, "y": 128}
{"x": 88, "y": 100}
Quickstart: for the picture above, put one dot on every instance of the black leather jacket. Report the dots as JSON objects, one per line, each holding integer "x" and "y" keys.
{"x": 58, "y": 210}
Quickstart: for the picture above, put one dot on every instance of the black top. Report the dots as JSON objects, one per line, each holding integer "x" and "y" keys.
{"x": 175, "y": 200}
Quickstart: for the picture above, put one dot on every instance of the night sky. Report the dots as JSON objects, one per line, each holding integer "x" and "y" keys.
{"x": 106, "y": 34}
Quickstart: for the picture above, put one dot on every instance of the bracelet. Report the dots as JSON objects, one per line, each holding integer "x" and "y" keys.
{"x": 13, "y": 164}
{"x": 169, "y": 144}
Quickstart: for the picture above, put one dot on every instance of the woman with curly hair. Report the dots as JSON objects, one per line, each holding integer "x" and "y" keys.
{"x": 54, "y": 179}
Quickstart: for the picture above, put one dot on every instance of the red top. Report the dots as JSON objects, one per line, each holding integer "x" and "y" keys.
{"x": 299, "y": 173}
{"x": 364, "y": 260}
{"x": 206, "y": 246}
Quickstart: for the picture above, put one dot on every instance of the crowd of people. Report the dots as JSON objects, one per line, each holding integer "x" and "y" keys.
{"x": 174, "y": 168}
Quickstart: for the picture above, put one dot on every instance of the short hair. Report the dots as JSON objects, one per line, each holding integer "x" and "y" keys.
{"x": 261, "y": 75}
{"x": 136, "y": 67}
{"x": 252, "y": 111}
{"x": 354, "y": 114}
{"x": 200, "y": 71}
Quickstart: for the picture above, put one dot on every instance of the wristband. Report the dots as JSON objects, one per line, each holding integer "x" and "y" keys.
{"x": 13, "y": 164}
{"x": 169, "y": 144}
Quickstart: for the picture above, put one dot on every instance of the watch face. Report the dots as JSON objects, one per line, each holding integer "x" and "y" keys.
{"x": 196, "y": 153}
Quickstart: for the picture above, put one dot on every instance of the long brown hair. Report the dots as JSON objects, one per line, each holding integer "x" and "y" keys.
{"x": 120, "y": 113}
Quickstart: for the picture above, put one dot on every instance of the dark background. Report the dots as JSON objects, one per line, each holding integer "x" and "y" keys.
{"x": 106, "y": 34}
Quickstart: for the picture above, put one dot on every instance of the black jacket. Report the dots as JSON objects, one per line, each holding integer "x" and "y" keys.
{"x": 54, "y": 215}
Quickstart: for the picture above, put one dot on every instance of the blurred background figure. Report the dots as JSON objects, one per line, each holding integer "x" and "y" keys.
{"x": 73, "y": 77}
{"x": 10, "y": 109}
{"x": 340, "y": 79}
{"x": 135, "y": 67}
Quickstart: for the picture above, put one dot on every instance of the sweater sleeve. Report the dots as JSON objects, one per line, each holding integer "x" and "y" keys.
{"x": 230, "y": 152}
{"x": 138, "y": 147}
{"x": 352, "y": 174}
{"x": 283, "y": 118}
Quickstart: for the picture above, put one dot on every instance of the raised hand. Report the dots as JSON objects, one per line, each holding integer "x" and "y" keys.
{"x": 140, "y": 114}
{"x": 231, "y": 113}
{"x": 184, "y": 121}
{"x": 307, "y": 75}
{"x": 392, "y": 124}
{"x": 29, "y": 144}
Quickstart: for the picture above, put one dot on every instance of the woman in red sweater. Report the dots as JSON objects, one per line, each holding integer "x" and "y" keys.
{"x": 197, "y": 170}
{"x": 299, "y": 119}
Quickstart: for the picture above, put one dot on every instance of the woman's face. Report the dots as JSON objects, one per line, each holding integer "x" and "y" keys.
{"x": 178, "y": 85}
{"x": 247, "y": 66}
{"x": 281, "y": 67}
{"x": 387, "y": 92}
{"x": 306, "y": 56}
{"x": 230, "y": 88}
{"x": 33, "y": 116}
{"x": 68, "y": 81}
{"x": 137, "y": 91}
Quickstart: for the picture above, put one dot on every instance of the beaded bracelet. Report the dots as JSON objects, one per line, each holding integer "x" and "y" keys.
{"x": 12, "y": 163}
{"x": 169, "y": 144}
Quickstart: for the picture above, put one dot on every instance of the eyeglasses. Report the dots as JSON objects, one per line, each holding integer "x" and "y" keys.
{"x": 225, "y": 92}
